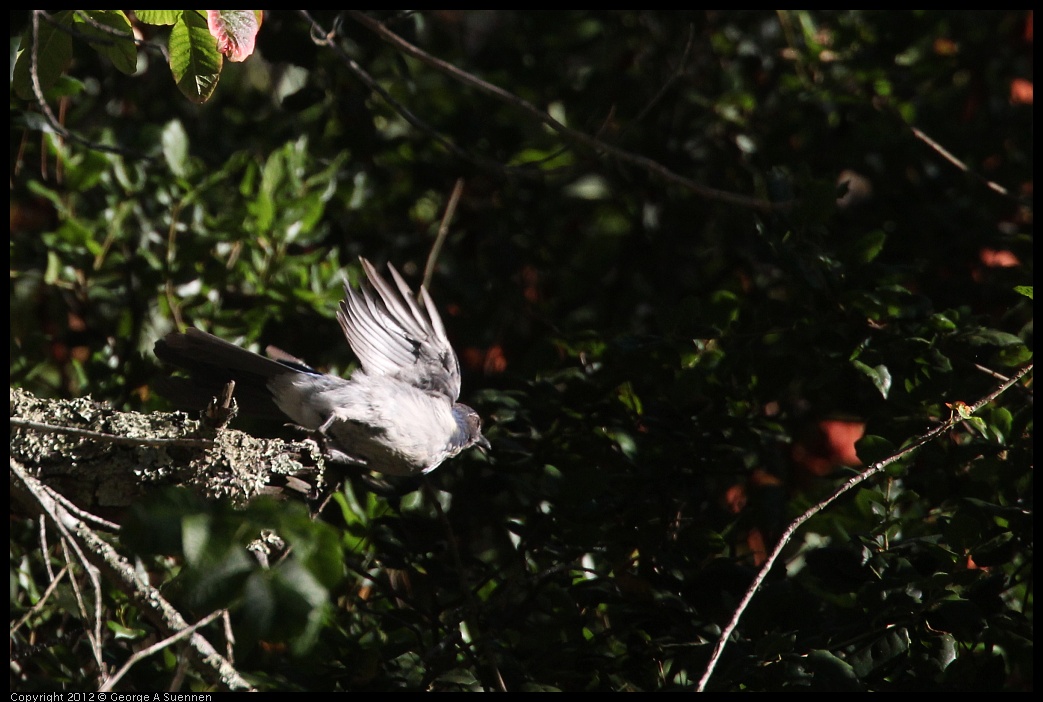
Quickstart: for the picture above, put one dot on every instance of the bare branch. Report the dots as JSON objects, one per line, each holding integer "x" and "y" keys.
{"x": 945, "y": 153}
{"x": 45, "y": 109}
{"x": 156, "y": 647}
{"x": 573, "y": 135}
{"x": 869, "y": 472}
{"x": 100, "y": 557}
{"x": 443, "y": 231}
{"x": 665, "y": 88}
{"x": 97, "y": 456}
{"x": 322, "y": 37}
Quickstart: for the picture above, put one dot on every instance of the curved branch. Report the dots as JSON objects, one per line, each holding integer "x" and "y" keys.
{"x": 323, "y": 37}
{"x": 99, "y": 555}
{"x": 869, "y": 472}
{"x": 45, "y": 109}
{"x": 575, "y": 136}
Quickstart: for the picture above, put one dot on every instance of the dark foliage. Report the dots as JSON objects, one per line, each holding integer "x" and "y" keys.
{"x": 667, "y": 378}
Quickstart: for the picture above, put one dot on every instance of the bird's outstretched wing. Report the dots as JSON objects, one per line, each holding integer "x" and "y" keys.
{"x": 393, "y": 336}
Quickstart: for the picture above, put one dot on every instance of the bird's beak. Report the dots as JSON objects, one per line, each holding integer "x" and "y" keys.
{"x": 483, "y": 444}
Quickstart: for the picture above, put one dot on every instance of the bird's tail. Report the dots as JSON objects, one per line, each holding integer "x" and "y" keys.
{"x": 211, "y": 362}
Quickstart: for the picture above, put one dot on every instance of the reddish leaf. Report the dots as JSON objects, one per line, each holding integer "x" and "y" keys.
{"x": 235, "y": 31}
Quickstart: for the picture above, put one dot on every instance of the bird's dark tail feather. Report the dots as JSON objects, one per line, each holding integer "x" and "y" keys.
{"x": 210, "y": 363}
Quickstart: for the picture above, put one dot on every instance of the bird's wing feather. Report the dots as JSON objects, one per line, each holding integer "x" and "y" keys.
{"x": 394, "y": 336}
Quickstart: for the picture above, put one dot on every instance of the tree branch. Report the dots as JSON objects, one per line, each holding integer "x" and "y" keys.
{"x": 572, "y": 135}
{"x": 869, "y": 472}
{"x": 98, "y": 457}
{"x": 99, "y": 556}
{"x": 45, "y": 109}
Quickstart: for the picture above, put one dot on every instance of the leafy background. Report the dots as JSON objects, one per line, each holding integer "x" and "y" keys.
{"x": 667, "y": 377}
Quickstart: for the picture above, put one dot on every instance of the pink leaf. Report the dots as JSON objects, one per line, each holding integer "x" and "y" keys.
{"x": 235, "y": 31}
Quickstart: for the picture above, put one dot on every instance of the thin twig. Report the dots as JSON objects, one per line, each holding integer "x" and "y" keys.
{"x": 944, "y": 153}
{"x": 869, "y": 472}
{"x": 38, "y": 605}
{"x": 84, "y": 515}
{"x": 572, "y": 135}
{"x": 443, "y": 231}
{"x": 156, "y": 647}
{"x": 948, "y": 156}
{"x": 119, "y": 36}
{"x": 322, "y": 37}
{"x": 68, "y": 542}
{"x": 44, "y": 548}
{"x": 45, "y": 109}
{"x": 101, "y": 555}
{"x": 665, "y": 88}
{"x": 989, "y": 371}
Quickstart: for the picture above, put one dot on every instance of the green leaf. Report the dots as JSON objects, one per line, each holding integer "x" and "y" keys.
{"x": 983, "y": 336}
{"x": 121, "y": 50}
{"x": 589, "y": 187}
{"x": 832, "y": 673}
{"x": 1025, "y": 290}
{"x": 175, "y": 147}
{"x": 194, "y": 58}
{"x": 869, "y": 245}
{"x": 53, "y": 55}
{"x": 962, "y": 618}
{"x": 1001, "y": 422}
{"x": 126, "y": 633}
{"x": 629, "y": 398}
{"x": 880, "y": 376}
{"x": 871, "y": 502}
{"x": 979, "y": 424}
{"x": 1013, "y": 356}
{"x": 161, "y": 17}
{"x": 942, "y": 323}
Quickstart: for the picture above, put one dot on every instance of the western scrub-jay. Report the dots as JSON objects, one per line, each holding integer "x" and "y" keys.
{"x": 397, "y": 414}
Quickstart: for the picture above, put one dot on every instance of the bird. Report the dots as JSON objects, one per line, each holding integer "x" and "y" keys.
{"x": 397, "y": 413}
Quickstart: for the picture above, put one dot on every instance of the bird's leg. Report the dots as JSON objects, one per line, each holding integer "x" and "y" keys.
{"x": 320, "y": 437}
